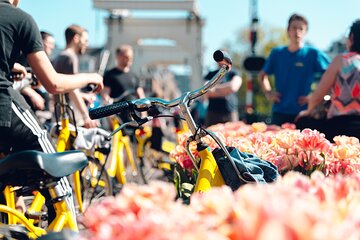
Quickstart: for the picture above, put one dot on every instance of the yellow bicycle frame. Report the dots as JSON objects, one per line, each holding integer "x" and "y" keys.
{"x": 117, "y": 168}
{"x": 63, "y": 144}
{"x": 209, "y": 174}
{"x": 142, "y": 136}
{"x": 63, "y": 219}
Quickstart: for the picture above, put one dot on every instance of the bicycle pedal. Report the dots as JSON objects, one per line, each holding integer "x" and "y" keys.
{"x": 36, "y": 215}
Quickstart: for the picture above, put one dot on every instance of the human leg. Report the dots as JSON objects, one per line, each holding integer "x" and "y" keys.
{"x": 25, "y": 133}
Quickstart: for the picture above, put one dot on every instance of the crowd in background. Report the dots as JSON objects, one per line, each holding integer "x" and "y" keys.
{"x": 293, "y": 68}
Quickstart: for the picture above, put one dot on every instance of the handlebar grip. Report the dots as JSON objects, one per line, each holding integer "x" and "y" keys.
{"x": 108, "y": 110}
{"x": 89, "y": 88}
{"x": 220, "y": 55}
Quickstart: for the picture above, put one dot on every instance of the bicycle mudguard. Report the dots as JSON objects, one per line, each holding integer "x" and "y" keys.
{"x": 252, "y": 169}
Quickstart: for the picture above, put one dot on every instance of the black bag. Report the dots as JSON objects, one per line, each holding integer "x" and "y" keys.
{"x": 252, "y": 169}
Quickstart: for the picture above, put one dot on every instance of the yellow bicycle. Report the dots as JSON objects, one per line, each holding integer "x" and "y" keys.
{"x": 208, "y": 173}
{"x": 122, "y": 164}
{"x": 91, "y": 182}
{"x": 36, "y": 171}
{"x": 153, "y": 150}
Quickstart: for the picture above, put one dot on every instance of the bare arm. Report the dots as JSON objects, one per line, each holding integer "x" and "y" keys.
{"x": 326, "y": 82}
{"x": 56, "y": 83}
{"x": 36, "y": 99}
{"x": 105, "y": 94}
{"x": 76, "y": 98}
{"x": 227, "y": 88}
{"x": 140, "y": 92}
{"x": 264, "y": 82}
{"x": 266, "y": 88}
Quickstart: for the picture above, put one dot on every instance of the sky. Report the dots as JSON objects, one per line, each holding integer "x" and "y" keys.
{"x": 328, "y": 20}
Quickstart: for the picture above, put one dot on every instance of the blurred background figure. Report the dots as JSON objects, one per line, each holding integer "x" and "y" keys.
{"x": 343, "y": 79}
{"x": 48, "y": 42}
{"x": 223, "y": 99}
{"x": 120, "y": 83}
{"x": 294, "y": 68}
{"x": 67, "y": 62}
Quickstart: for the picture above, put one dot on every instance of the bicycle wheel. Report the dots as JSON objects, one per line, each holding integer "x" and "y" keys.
{"x": 155, "y": 164}
{"x": 131, "y": 164}
{"x": 95, "y": 182}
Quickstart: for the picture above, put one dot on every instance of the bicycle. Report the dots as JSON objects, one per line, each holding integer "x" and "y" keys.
{"x": 38, "y": 171}
{"x": 152, "y": 148}
{"x": 122, "y": 166}
{"x": 123, "y": 163}
{"x": 208, "y": 171}
{"x": 154, "y": 145}
{"x": 92, "y": 182}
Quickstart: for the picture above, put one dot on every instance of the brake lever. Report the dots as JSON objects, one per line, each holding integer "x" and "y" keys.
{"x": 132, "y": 123}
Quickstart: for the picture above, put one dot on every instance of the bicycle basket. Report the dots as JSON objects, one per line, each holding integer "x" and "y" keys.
{"x": 252, "y": 169}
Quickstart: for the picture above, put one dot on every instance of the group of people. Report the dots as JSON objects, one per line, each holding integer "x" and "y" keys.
{"x": 118, "y": 81}
{"x": 24, "y": 47}
{"x": 294, "y": 68}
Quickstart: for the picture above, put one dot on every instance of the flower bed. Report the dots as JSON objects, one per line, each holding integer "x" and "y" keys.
{"x": 321, "y": 204}
{"x": 284, "y": 146}
{"x": 294, "y": 207}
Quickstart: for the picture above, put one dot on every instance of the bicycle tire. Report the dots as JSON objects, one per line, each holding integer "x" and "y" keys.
{"x": 133, "y": 172}
{"x": 150, "y": 164}
{"x": 92, "y": 189}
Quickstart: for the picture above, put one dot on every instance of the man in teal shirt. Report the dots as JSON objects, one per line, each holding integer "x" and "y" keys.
{"x": 294, "y": 67}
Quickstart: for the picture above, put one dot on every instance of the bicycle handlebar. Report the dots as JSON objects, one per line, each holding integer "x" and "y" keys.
{"x": 144, "y": 104}
{"x": 108, "y": 110}
{"x": 16, "y": 76}
{"x": 90, "y": 88}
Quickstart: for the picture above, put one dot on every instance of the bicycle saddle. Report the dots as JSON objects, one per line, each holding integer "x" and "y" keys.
{"x": 54, "y": 164}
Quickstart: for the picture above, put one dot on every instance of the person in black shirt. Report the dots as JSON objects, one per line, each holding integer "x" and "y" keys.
{"x": 223, "y": 101}
{"x": 119, "y": 81}
{"x": 19, "y": 128}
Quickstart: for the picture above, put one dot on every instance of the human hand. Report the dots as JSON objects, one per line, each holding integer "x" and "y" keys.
{"x": 302, "y": 100}
{"x": 301, "y": 114}
{"x": 224, "y": 62}
{"x": 97, "y": 79}
{"x": 89, "y": 98}
{"x": 20, "y": 71}
{"x": 273, "y": 96}
{"x": 89, "y": 123}
{"x": 36, "y": 99}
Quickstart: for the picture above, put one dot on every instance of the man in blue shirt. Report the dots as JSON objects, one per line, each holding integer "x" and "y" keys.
{"x": 294, "y": 68}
